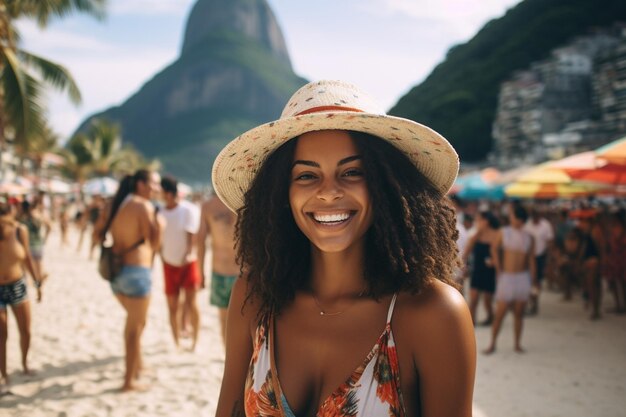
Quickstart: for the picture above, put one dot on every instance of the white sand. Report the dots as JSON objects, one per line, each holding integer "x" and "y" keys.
{"x": 77, "y": 350}
{"x": 573, "y": 367}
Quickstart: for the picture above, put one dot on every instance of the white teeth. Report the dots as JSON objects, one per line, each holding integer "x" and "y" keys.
{"x": 331, "y": 218}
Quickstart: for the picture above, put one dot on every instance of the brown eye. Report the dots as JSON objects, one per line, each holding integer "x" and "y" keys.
{"x": 353, "y": 172}
{"x": 304, "y": 177}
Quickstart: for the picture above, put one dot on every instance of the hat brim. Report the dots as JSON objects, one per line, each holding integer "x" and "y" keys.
{"x": 237, "y": 164}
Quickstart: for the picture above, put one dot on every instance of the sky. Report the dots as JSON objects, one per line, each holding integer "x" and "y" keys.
{"x": 384, "y": 46}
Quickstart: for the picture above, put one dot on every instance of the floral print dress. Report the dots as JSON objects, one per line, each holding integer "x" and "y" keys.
{"x": 373, "y": 389}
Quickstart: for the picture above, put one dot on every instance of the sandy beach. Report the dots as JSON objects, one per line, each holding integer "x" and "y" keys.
{"x": 573, "y": 367}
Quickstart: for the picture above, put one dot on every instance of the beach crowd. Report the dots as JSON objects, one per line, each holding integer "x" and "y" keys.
{"x": 578, "y": 249}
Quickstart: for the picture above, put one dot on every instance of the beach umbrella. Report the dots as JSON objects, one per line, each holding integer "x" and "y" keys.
{"x": 610, "y": 174}
{"x": 13, "y": 188}
{"x": 545, "y": 173}
{"x": 581, "y": 161}
{"x": 550, "y": 191}
{"x": 511, "y": 175}
{"x": 24, "y": 182}
{"x": 590, "y": 167}
{"x": 55, "y": 186}
{"x": 614, "y": 152}
{"x": 547, "y": 181}
{"x": 104, "y": 186}
{"x": 480, "y": 185}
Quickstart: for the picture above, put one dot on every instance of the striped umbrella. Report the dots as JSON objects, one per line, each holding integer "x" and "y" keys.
{"x": 547, "y": 181}
{"x": 610, "y": 174}
{"x": 614, "y": 152}
{"x": 550, "y": 191}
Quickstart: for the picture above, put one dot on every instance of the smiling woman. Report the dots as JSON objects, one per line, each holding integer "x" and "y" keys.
{"x": 349, "y": 248}
{"x": 328, "y": 193}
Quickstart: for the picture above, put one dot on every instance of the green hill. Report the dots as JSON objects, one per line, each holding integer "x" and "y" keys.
{"x": 459, "y": 97}
{"x": 230, "y": 77}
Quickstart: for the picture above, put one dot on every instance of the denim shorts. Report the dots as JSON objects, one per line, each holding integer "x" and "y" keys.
{"x": 132, "y": 281}
{"x": 13, "y": 294}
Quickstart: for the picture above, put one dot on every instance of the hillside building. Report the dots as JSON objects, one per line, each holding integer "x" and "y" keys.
{"x": 545, "y": 112}
{"x": 609, "y": 89}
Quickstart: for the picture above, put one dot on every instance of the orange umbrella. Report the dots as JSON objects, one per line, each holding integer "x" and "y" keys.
{"x": 612, "y": 174}
{"x": 614, "y": 152}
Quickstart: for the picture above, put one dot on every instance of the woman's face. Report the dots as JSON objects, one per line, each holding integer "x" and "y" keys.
{"x": 328, "y": 192}
{"x": 150, "y": 189}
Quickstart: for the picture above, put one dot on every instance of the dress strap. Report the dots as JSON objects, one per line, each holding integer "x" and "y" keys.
{"x": 391, "y": 306}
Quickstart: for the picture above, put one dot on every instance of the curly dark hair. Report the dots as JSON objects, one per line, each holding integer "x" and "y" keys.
{"x": 411, "y": 242}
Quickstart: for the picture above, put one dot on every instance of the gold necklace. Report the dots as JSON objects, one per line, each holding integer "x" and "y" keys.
{"x": 336, "y": 313}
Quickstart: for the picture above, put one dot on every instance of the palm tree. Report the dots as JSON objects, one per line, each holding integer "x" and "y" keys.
{"x": 78, "y": 158}
{"x": 43, "y": 10}
{"x": 23, "y": 75}
{"x": 106, "y": 146}
{"x": 100, "y": 152}
{"x": 131, "y": 160}
{"x": 109, "y": 155}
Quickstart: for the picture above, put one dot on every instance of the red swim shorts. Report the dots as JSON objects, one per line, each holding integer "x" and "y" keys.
{"x": 177, "y": 277}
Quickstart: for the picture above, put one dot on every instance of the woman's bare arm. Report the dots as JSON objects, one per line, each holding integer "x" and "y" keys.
{"x": 238, "y": 353}
{"x": 203, "y": 233}
{"x": 495, "y": 253}
{"x": 470, "y": 247}
{"x": 444, "y": 351}
{"x": 532, "y": 263}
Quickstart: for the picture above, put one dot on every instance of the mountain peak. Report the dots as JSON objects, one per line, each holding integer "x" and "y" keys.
{"x": 252, "y": 18}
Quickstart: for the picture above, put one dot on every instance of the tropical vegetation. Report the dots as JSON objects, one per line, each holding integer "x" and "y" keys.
{"x": 100, "y": 151}
{"x": 23, "y": 75}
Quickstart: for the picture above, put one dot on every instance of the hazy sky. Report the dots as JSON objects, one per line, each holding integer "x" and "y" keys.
{"x": 384, "y": 46}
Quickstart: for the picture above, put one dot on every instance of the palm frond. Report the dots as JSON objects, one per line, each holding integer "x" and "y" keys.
{"x": 43, "y": 10}
{"x": 54, "y": 74}
{"x": 22, "y": 97}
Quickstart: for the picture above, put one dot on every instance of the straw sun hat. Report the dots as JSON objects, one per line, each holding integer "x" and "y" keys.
{"x": 331, "y": 105}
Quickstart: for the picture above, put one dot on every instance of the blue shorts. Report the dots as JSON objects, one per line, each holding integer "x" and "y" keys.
{"x": 132, "y": 281}
{"x": 13, "y": 294}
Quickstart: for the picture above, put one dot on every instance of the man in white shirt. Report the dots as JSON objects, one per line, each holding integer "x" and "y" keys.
{"x": 180, "y": 265}
{"x": 543, "y": 234}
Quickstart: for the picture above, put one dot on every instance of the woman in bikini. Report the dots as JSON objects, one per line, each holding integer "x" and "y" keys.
{"x": 136, "y": 229}
{"x": 346, "y": 306}
{"x": 38, "y": 228}
{"x": 483, "y": 277}
{"x": 14, "y": 255}
{"x": 513, "y": 255}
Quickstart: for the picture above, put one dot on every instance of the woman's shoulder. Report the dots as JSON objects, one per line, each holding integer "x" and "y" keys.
{"x": 436, "y": 299}
{"x": 433, "y": 322}
{"x": 435, "y": 316}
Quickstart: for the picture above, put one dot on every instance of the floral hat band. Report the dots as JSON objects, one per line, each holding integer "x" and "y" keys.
{"x": 331, "y": 105}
